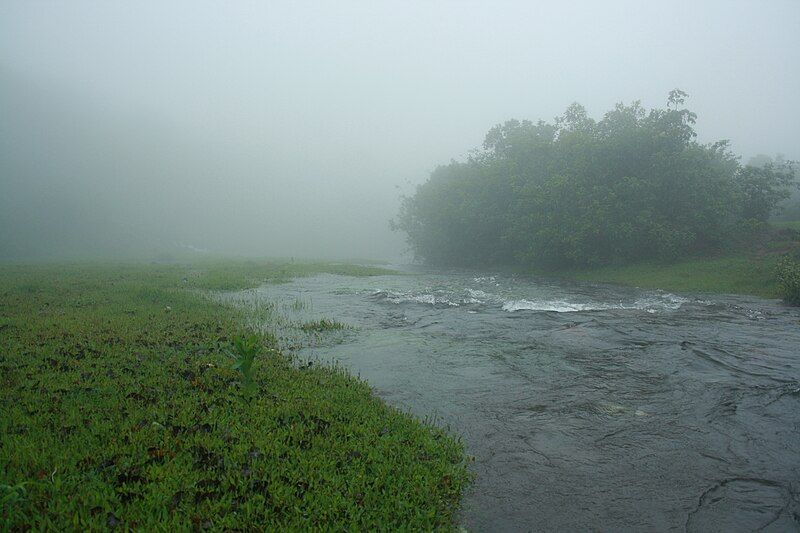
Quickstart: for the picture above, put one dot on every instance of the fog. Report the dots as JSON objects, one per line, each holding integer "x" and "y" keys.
{"x": 293, "y": 129}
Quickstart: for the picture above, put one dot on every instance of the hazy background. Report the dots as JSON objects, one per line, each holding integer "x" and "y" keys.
{"x": 291, "y": 129}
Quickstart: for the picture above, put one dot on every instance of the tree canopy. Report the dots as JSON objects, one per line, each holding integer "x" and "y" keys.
{"x": 634, "y": 185}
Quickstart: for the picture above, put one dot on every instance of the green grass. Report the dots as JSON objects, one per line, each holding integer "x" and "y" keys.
{"x": 323, "y": 325}
{"x": 790, "y": 224}
{"x": 753, "y": 270}
{"x": 234, "y": 275}
{"x": 119, "y": 406}
{"x": 730, "y": 275}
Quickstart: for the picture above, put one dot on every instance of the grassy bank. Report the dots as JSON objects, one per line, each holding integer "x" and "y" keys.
{"x": 119, "y": 407}
{"x": 731, "y": 275}
{"x": 788, "y": 224}
{"x": 752, "y": 270}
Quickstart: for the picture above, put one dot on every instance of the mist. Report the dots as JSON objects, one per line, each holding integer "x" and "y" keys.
{"x": 293, "y": 130}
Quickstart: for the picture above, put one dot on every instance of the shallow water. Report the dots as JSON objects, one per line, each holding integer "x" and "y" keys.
{"x": 586, "y": 406}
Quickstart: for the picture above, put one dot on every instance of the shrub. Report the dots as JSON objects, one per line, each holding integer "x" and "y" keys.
{"x": 789, "y": 280}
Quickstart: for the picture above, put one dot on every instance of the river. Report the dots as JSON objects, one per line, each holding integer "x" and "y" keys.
{"x": 586, "y": 406}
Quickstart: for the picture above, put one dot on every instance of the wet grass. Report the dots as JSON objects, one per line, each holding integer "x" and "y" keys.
{"x": 788, "y": 224}
{"x": 235, "y": 275}
{"x": 120, "y": 407}
{"x": 752, "y": 271}
{"x": 323, "y": 324}
{"x": 730, "y": 275}
{"x": 298, "y": 304}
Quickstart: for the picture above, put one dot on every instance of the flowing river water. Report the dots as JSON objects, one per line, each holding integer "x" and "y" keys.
{"x": 586, "y": 406}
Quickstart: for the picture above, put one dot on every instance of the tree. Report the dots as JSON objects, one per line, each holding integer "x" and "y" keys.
{"x": 762, "y": 189}
{"x": 634, "y": 185}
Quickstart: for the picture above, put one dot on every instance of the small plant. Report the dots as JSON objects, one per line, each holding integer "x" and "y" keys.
{"x": 789, "y": 280}
{"x": 245, "y": 350}
{"x": 300, "y": 304}
{"x": 322, "y": 325}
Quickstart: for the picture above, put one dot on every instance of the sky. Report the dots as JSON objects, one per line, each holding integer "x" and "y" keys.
{"x": 291, "y": 129}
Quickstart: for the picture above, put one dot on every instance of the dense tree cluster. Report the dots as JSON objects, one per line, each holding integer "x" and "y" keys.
{"x": 635, "y": 185}
{"x": 788, "y": 209}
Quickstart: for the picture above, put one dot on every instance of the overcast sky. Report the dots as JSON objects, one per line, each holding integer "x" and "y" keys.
{"x": 291, "y": 129}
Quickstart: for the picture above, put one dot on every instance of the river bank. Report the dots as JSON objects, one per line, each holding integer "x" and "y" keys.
{"x": 586, "y": 405}
{"x": 120, "y": 408}
{"x": 755, "y": 276}
{"x": 752, "y": 270}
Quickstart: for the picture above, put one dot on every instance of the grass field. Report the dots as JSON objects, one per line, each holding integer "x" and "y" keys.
{"x": 732, "y": 275}
{"x": 119, "y": 407}
{"x": 752, "y": 270}
{"x": 790, "y": 224}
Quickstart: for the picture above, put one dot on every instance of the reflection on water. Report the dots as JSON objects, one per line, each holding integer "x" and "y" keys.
{"x": 586, "y": 406}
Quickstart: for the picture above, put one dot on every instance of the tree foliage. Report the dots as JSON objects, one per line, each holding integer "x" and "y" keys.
{"x": 634, "y": 185}
{"x": 789, "y": 279}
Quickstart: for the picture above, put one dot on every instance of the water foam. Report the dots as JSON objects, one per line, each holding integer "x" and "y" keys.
{"x": 559, "y": 306}
{"x": 421, "y": 298}
{"x": 650, "y": 304}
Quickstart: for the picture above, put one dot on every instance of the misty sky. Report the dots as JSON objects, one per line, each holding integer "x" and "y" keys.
{"x": 291, "y": 129}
